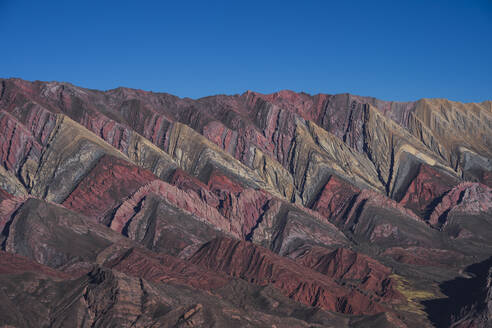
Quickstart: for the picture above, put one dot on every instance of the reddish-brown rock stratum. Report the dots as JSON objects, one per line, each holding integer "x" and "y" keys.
{"x": 106, "y": 185}
{"x": 255, "y": 264}
{"x": 354, "y": 269}
{"x": 471, "y": 198}
{"x": 165, "y": 268}
{"x": 15, "y": 264}
{"x": 335, "y": 198}
{"x": 427, "y": 187}
{"x": 135, "y": 209}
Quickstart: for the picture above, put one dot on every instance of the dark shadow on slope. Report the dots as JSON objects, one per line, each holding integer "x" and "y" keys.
{"x": 462, "y": 293}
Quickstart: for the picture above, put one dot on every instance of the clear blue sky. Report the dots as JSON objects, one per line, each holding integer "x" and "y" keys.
{"x": 393, "y": 50}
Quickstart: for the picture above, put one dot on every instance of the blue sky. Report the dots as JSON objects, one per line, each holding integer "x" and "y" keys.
{"x": 393, "y": 50}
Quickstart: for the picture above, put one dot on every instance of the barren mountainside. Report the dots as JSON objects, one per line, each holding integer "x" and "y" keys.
{"x": 127, "y": 208}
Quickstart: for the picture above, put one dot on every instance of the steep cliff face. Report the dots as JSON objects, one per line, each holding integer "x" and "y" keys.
{"x": 135, "y": 208}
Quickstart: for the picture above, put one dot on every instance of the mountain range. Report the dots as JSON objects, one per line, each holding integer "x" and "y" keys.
{"x": 128, "y": 208}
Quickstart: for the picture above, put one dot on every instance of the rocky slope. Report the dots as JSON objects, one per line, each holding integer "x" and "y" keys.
{"x": 138, "y": 209}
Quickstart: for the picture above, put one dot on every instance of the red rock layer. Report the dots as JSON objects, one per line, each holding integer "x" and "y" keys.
{"x": 355, "y": 269}
{"x": 188, "y": 183}
{"x": 299, "y": 103}
{"x": 37, "y": 119}
{"x": 339, "y": 202}
{"x": 220, "y": 183}
{"x": 187, "y": 201}
{"x": 233, "y": 201}
{"x": 469, "y": 197}
{"x": 376, "y": 199}
{"x": 16, "y": 142}
{"x": 486, "y": 178}
{"x": 335, "y": 198}
{"x": 258, "y": 265}
{"x": 236, "y": 202}
{"x": 16, "y": 264}
{"x": 114, "y": 182}
{"x": 106, "y": 185}
{"x": 8, "y": 205}
{"x": 428, "y": 185}
{"x": 167, "y": 269}
{"x": 4, "y": 195}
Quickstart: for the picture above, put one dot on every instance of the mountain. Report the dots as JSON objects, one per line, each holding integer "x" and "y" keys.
{"x": 138, "y": 209}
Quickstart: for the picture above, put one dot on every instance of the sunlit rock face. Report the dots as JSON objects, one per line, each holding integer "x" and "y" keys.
{"x": 136, "y": 209}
